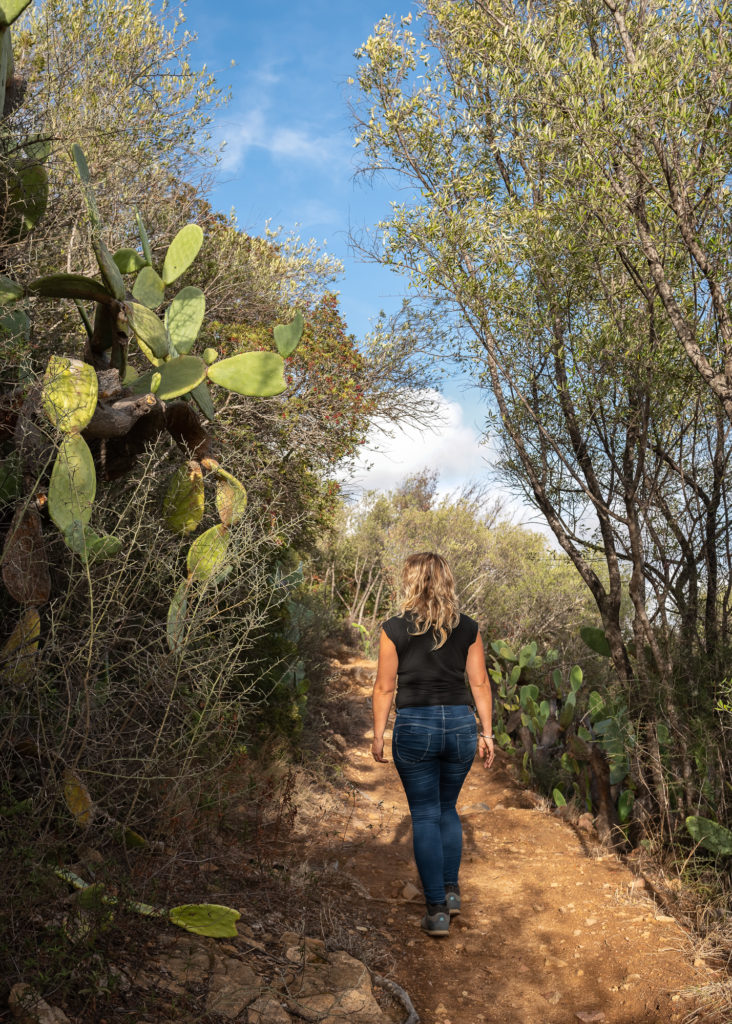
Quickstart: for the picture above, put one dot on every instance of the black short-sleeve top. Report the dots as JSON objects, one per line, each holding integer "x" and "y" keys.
{"x": 425, "y": 676}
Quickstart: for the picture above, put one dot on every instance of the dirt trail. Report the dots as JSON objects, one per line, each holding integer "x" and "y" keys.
{"x": 552, "y": 930}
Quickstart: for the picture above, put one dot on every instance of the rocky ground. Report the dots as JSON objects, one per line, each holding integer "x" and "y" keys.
{"x": 554, "y": 928}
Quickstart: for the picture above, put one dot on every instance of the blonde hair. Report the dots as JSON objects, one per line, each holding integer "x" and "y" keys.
{"x": 429, "y": 594}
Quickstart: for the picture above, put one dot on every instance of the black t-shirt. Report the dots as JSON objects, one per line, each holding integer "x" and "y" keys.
{"x": 426, "y": 677}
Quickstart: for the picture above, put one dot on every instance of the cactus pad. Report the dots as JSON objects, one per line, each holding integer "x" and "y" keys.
{"x": 128, "y": 261}
{"x": 210, "y": 355}
{"x": 183, "y": 501}
{"x": 184, "y": 318}
{"x": 144, "y": 240}
{"x": 90, "y": 546}
{"x": 82, "y": 167}
{"x": 710, "y": 835}
{"x": 9, "y": 291}
{"x": 148, "y": 328}
{"x": 177, "y": 378}
{"x": 182, "y": 252}
{"x": 207, "y": 554}
{"x": 287, "y": 336}
{"x": 596, "y": 640}
{"x": 258, "y": 374}
{"x": 69, "y": 286}
{"x": 108, "y": 269}
{"x": 206, "y": 919}
{"x": 202, "y": 397}
{"x": 73, "y": 483}
{"x": 177, "y": 612}
{"x": 24, "y": 564}
{"x": 10, "y": 10}
{"x": 19, "y": 651}
{"x": 77, "y": 798}
{"x": 149, "y": 288}
{"x": 231, "y": 498}
{"x": 27, "y": 196}
{"x": 69, "y": 395}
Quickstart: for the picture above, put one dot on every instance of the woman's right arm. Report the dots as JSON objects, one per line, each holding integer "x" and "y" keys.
{"x": 481, "y": 689}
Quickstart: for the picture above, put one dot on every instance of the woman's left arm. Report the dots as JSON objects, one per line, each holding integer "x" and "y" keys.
{"x": 383, "y": 695}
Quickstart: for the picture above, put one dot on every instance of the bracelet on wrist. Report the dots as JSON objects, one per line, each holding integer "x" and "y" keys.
{"x": 486, "y": 736}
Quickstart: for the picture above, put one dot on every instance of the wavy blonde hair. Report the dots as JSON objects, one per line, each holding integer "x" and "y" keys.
{"x": 429, "y": 595}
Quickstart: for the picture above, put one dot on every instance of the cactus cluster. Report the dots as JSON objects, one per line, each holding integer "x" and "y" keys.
{"x": 557, "y": 741}
{"x": 127, "y": 298}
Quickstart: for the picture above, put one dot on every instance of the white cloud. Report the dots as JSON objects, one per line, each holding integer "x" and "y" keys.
{"x": 452, "y": 447}
{"x": 253, "y": 129}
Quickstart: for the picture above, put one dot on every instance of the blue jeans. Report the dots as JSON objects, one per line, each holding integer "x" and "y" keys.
{"x": 433, "y": 750}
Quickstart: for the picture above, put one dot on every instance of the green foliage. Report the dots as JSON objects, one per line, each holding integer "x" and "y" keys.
{"x": 710, "y": 835}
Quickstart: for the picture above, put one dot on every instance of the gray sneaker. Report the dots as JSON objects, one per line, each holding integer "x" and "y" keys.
{"x": 453, "y": 903}
{"x": 437, "y": 922}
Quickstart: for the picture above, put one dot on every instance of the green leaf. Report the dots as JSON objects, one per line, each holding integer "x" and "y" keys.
{"x": 10, "y": 10}
{"x": 27, "y": 197}
{"x": 596, "y": 640}
{"x": 70, "y": 286}
{"x": 182, "y": 252}
{"x": 38, "y": 147}
{"x": 206, "y": 919}
{"x": 503, "y": 651}
{"x": 515, "y": 675}
{"x": 257, "y": 374}
{"x": 575, "y": 678}
{"x": 566, "y": 715}
{"x": 82, "y": 167}
{"x": 91, "y": 546}
{"x": 619, "y": 770}
{"x": 231, "y": 497}
{"x": 184, "y": 318}
{"x": 177, "y": 612}
{"x": 710, "y": 835}
{"x": 207, "y": 554}
{"x": 202, "y": 397}
{"x": 9, "y": 291}
{"x": 183, "y": 501}
{"x": 527, "y": 654}
{"x": 177, "y": 377}
{"x": 287, "y": 336}
{"x": 558, "y": 798}
{"x": 625, "y": 805}
{"x": 528, "y": 693}
{"x": 149, "y": 288}
{"x": 69, "y": 393}
{"x": 77, "y": 798}
{"x": 108, "y": 268}
{"x": 128, "y": 261}
{"x": 584, "y": 734}
{"x": 148, "y": 328}
{"x": 73, "y": 483}
{"x": 595, "y": 704}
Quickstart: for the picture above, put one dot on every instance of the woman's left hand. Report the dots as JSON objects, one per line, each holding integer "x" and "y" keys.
{"x": 377, "y": 750}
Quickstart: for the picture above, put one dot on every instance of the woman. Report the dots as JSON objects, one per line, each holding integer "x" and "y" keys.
{"x": 427, "y": 649}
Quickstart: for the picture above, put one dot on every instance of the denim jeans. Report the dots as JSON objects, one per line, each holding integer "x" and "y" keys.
{"x": 433, "y": 750}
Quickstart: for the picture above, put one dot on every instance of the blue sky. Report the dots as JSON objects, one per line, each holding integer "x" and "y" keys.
{"x": 289, "y": 160}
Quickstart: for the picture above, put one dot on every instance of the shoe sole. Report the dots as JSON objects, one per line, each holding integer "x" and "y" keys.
{"x": 436, "y": 933}
{"x": 454, "y": 913}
